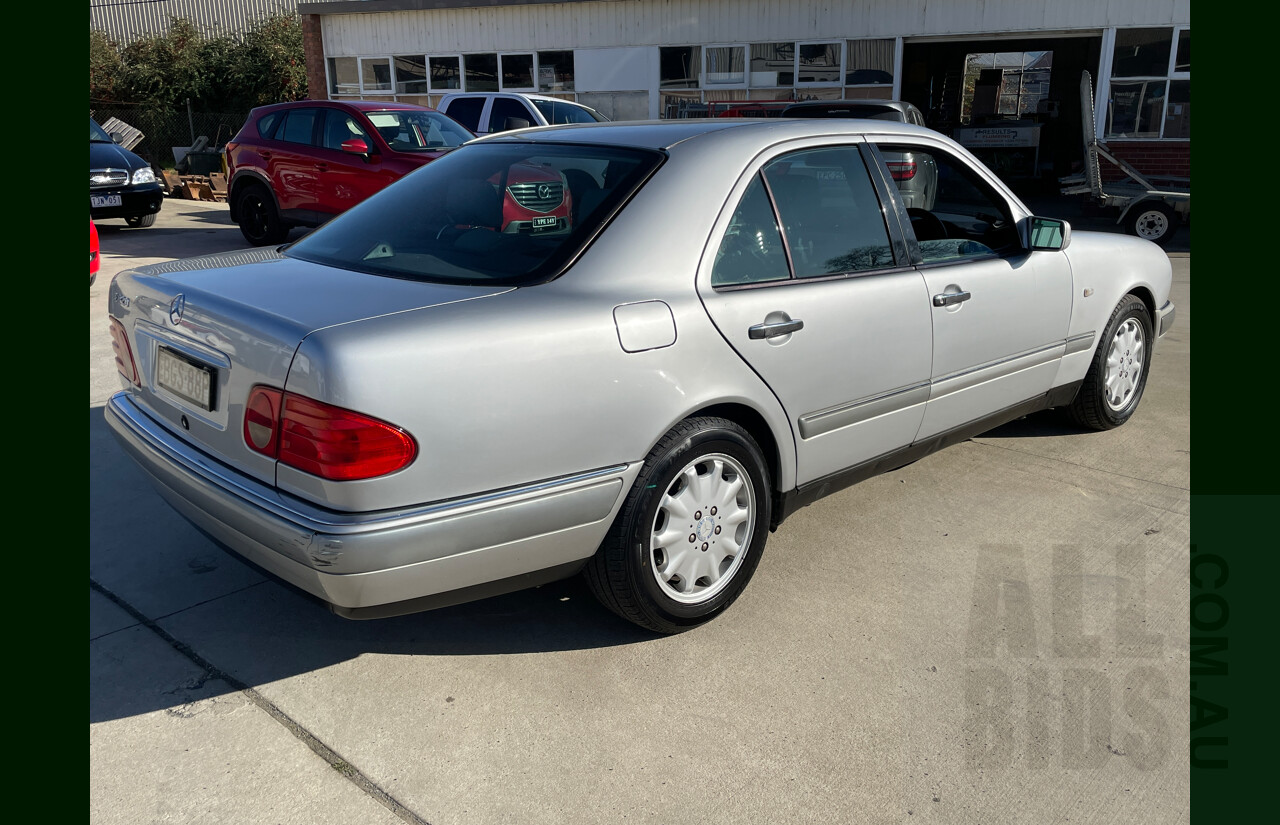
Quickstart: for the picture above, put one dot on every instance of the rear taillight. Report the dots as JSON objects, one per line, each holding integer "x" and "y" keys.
{"x": 901, "y": 169}
{"x": 124, "y": 353}
{"x": 324, "y": 440}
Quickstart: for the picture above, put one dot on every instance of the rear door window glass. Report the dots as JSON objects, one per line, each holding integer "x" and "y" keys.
{"x": 298, "y": 126}
{"x": 751, "y": 250}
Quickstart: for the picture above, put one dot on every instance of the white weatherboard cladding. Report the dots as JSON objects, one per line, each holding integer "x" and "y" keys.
{"x": 618, "y": 23}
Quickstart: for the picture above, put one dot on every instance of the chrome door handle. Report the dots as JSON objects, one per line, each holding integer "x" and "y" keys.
{"x": 775, "y": 329}
{"x": 946, "y": 299}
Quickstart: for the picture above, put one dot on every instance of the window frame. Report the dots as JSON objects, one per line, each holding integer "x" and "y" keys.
{"x": 819, "y": 84}
{"x": 395, "y": 74}
{"x": 390, "y": 73}
{"x": 705, "y": 85}
{"x": 1170, "y": 76}
{"x": 462, "y": 78}
{"x": 533, "y": 73}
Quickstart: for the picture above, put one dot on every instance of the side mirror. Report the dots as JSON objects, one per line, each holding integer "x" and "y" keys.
{"x": 515, "y": 123}
{"x": 1048, "y": 234}
{"x": 355, "y": 146}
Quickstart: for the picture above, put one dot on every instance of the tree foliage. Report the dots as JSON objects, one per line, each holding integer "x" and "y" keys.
{"x": 218, "y": 74}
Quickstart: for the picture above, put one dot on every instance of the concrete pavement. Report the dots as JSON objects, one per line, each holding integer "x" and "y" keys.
{"x": 997, "y": 633}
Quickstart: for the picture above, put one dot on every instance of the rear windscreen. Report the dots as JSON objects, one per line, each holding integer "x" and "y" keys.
{"x": 486, "y": 213}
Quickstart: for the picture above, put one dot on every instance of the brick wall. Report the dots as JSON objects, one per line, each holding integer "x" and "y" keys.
{"x": 1158, "y": 158}
{"x": 313, "y": 51}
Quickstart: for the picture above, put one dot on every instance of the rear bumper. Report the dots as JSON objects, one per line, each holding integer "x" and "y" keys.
{"x": 387, "y": 562}
{"x": 135, "y": 201}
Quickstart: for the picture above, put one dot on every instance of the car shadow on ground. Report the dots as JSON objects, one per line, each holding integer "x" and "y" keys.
{"x": 157, "y": 583}
{"x": 1048, "y": 423}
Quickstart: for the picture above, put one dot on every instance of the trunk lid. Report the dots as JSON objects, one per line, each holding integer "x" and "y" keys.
{"x": 204, "y": 331}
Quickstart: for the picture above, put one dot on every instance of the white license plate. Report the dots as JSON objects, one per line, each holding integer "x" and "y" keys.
{"x": 99, "y": 201}
{"x": 545, "y": 223}
{"x": 184, "y": 378}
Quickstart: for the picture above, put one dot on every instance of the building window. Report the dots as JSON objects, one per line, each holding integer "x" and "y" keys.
{"x": 517, "y": 72}
{"x": 1004, "y": 85}
{"x": 1150, "y": 89}
{"x": 819, "y": 64}
{"x": 481, "y": 72}
{"x": 869, "y": 63}
{"x": 679, "y": 66}
{"x": 375, "y": 75}
{"x": 772, "y": 65}
{"x": 344, "y": 76}
{"x": 726, "y": 65}
{"x": 411, "y": 74}
{"x": 555, "y": 71}
{"x": 446, "y": 73}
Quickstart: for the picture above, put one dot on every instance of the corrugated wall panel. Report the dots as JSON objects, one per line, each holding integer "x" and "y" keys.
{"x": 125, "y": 21}
{"x": 652, "y": 22}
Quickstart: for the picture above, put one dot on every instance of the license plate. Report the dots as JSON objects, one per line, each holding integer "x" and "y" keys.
{"x": 99, "y": 201}
{"x": 549, "y": 222}
{"x": 185, "y": 378}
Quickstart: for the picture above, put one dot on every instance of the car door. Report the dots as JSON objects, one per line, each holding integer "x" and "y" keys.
{"x": 504, "y": 108}
{"x": 812, "y": 288}
{"x": 1000, "y": 313}
{"x": 344, "y": 178}
{"x": 291, "y": 161}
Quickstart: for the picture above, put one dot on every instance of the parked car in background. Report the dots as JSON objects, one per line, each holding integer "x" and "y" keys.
{"x": 300, "y": 163}
{"x": 915, "y": 177}
{"x": 94, "y": 260}
{"x": 121, "y": 184}
{"x": 409, "y": 408}
{"x": 488, "y": 112}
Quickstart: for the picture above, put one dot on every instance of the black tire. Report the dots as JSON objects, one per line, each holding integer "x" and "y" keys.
{"x": 1155, "y": 221}
{"x": 1097, "y": 407}
{"x": 259, "y": 220}
{"x": 639, "y": 580}
{"x": 139, "y": 221}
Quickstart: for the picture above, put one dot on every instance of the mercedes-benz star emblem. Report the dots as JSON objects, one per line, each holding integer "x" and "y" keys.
{"x": 175, "y": 309}
{"x": 544, "y": 190}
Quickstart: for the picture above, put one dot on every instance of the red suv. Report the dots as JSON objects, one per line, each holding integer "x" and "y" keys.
{"x": 301, "y": 163}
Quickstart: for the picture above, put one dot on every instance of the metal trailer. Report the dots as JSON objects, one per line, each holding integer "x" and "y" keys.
{"x": 1146, "y": 210}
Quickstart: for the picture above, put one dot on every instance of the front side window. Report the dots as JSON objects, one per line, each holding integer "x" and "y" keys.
{"x": 559, "y": 111}
{"x": 955, "y": 214}
{"x": 485, "y": 214}
{"x": 339, "y": 127}
{"x": 830, "y": 212}
{"x": 505, "y": 114}
{"x": 410, "y": 130}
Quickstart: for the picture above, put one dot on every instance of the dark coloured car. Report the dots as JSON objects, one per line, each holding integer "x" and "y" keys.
{"x": 121, "y": 184}
{"x": 301, "y": 163}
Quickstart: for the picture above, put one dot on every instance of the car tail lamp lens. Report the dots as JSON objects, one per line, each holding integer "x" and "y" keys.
{"x": 124, "y": 353}
{"x": 324, "y": 440}
{"x": 901, "y": 170}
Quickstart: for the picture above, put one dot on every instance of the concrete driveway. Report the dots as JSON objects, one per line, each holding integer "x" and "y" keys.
{"x": 997, "y": 633}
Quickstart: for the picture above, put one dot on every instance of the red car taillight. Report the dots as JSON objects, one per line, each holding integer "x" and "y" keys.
{"x": 901, "y": 170}
{"x": 324, "y": 440}
{"x": 124, "y": 353}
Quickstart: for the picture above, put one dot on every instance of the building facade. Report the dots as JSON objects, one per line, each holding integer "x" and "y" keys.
{"x": 1002, "y": 76}
{"x": 127, "y": 20}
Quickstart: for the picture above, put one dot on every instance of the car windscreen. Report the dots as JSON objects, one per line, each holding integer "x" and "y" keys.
{"x": 490, "y": 213}
{"x": 406, "y": 130}
{"x": 557, "y": 112}
{"x": 97, "y": 133}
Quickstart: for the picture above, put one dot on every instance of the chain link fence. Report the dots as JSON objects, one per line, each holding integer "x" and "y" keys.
{"x": 163, "y": 130}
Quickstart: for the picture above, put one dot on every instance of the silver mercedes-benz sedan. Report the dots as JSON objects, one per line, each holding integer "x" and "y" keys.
{"x": 417, "y": 405}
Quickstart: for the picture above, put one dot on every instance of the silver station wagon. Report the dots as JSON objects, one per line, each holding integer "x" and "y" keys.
{"x": 418, "y": 404}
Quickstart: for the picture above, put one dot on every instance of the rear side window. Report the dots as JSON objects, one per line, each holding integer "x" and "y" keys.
{"x": 485, "y": 213}
{"x": 751, "y": 251}
{"x": 298, "y": 126}
{"x": 267, "y": 124}
{"x": 466, "y": 110}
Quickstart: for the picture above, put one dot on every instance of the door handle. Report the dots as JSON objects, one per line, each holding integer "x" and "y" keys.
{"x": 775, "y": 329}
{"x": 946, "y": 299}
